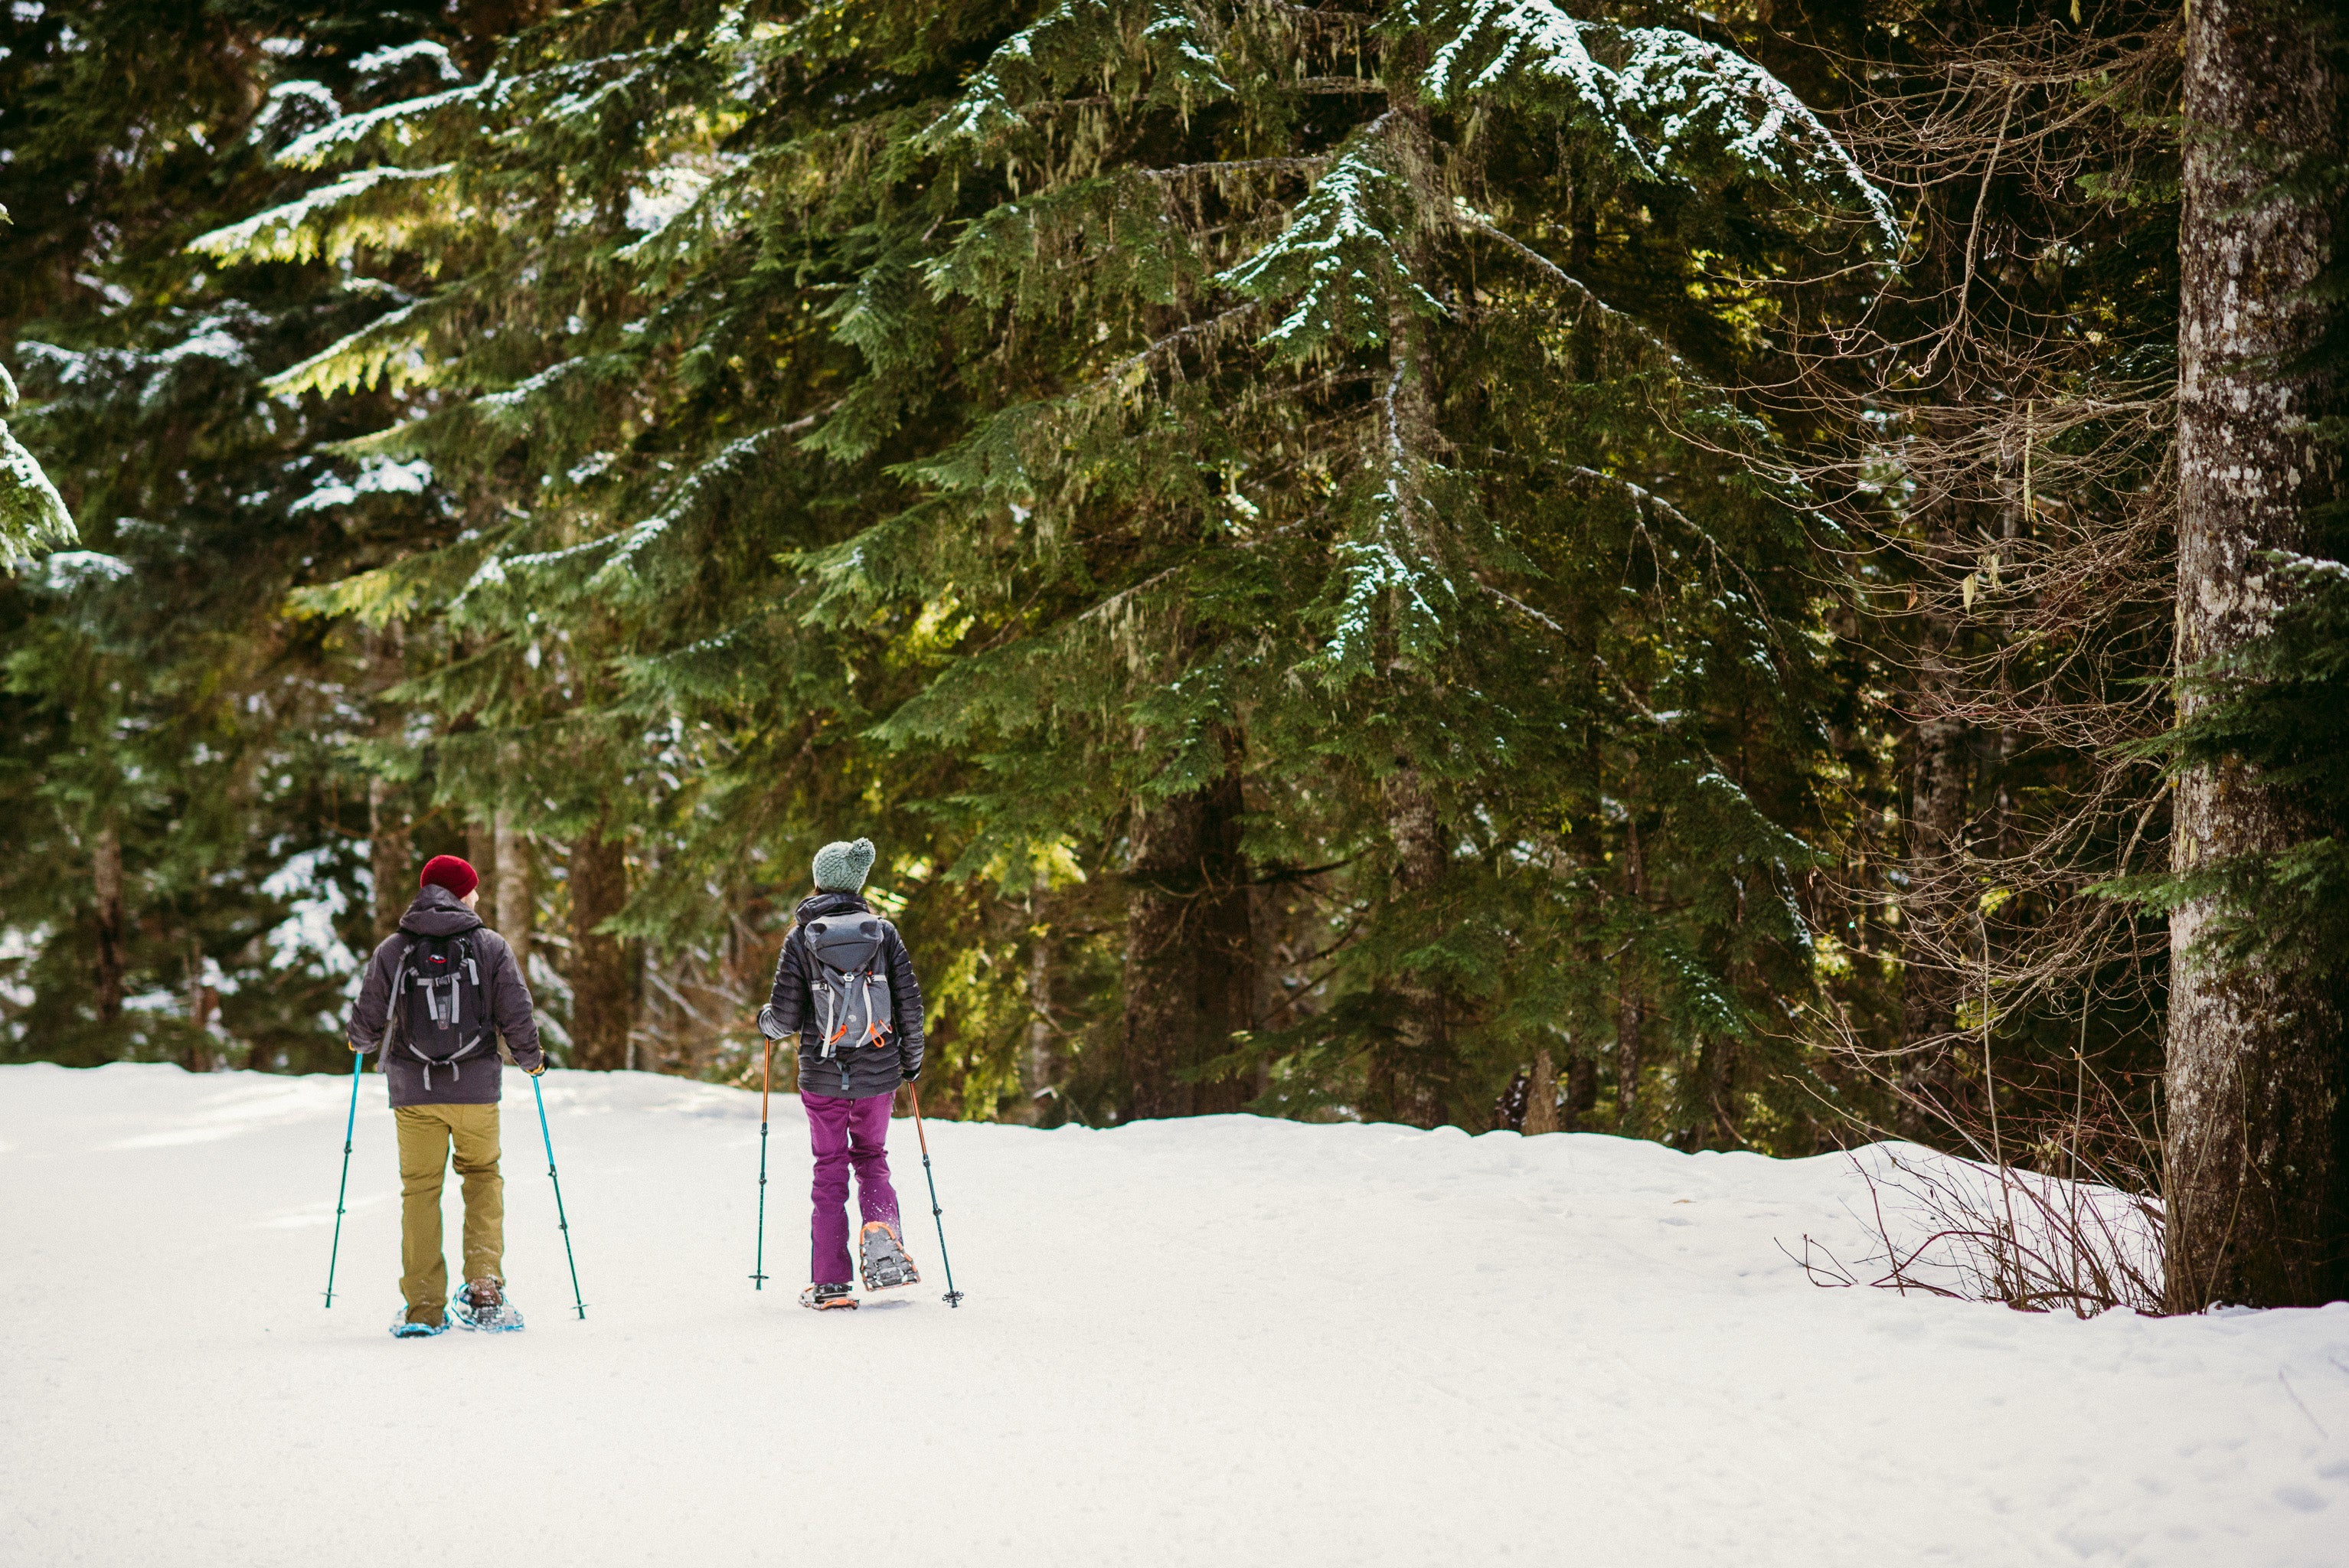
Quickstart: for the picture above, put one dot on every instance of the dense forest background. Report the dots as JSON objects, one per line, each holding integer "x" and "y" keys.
{"x": 1454, "y": 562}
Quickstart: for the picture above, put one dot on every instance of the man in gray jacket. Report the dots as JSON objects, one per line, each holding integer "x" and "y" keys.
{"x": 437, "y": 995}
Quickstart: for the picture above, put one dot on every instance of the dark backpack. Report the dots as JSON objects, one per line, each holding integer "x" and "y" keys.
{"x": 848, "y": 985}
{"x": 440, "y": 1008}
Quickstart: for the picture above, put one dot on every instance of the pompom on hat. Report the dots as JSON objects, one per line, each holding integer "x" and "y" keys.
{"x": 840, "y": 867}
{"x": 458, "y": 876}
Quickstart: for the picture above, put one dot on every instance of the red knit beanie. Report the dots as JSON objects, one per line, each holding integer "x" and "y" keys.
{"x": 449, "y": 871}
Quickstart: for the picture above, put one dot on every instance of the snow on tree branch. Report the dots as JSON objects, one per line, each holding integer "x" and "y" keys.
{"x": 294, "y": 232}
{"x": 1062, "y": 44}
{"x": 33, "y": 516}
{"x": 1672, "y": 91}
{"x": 1337, "y": 258}
{"x": 312, "y": 152}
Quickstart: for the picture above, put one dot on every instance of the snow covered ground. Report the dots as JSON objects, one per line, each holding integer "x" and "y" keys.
{"x": 1230, "y": 1341}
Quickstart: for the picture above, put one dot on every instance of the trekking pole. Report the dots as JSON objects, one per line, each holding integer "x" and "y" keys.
{"x": 358, "y": 1060}
{"x": 766, "y": 1072}
{"x": 953, "y": 1296}
{"x": 561, "y": 1221}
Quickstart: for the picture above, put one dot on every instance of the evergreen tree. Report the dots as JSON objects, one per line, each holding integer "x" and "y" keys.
{"x": 186, "y": 852}
{"x": 1175, "y": 466}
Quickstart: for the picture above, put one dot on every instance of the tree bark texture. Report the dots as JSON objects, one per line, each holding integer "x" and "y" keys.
{"x": 516, "y": 907}
{"x": 1040, "y": 1072}
{"x": 1410, "y": 1078}
{"x": 1936, "y": 842}
{"x": 1581, "y": 1086}
{"x": 602, "y": 980}
{"x": 106, "y": 879}
{"x": 391, "y": 853}
{"x": 1630, "y": 998}
{"x": 203, "y": 1001}
{"x": 2257, "y": 1214}
{"x": 389, "y": 856}
{"x": 1413, "y": 1078}
{"x": 1190, "y": 960}
{"x": 482, "y": 853}
{"x": 1541, "y": 1095}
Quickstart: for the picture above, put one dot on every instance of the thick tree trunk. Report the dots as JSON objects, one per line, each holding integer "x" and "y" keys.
{"x": 1190, "y": 962}
{"x": 106, "y": 879}
{"x": 2257, "y": 1070}
{"x": 390, "y": 857}
{"x": 603, "y": 981}
{"x": 516, "y": 911}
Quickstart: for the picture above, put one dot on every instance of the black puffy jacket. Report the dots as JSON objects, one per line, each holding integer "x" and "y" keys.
{"x": 858, "y": 1071}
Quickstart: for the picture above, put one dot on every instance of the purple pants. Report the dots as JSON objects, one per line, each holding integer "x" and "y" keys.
{"x": 846, "y": 1132}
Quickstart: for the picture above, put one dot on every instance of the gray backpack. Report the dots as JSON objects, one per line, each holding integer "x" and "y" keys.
{"x": 848, "y": 984}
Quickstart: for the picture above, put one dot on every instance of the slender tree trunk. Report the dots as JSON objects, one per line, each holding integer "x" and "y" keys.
{"x": 1160, "y": 967}
{"x": 106, "y": 878}
{"x": 602, "y": 983}
{"x": 1936, "y": 835}
{"x": 1267, "y": 919}
{"x": 482, "y": 851}
{"x": 1410, "y": 1079}
{"x": 1630, "y": 996}
{"x": 1229, "y": 950}
{"x": 1541, "y": 1095}
{"x": 1038, "y": 1074}
{"x": 1413, "y": 1080}
{"x": 517, "y": 906}
{"x": 2258, "y": 1076}
{"x": 390, "y": 856}
{"x": 1190, "y": 962}
{"x": 1581, "y": 1085}
{"x": 203, "y": 1001}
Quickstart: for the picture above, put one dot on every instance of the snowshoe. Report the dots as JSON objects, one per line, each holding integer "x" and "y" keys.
{"x": 885, "y": 1264}
{"x": 826, "y": 1298}
{"x": 403, "y": 1329}
{"x": 482, "y": 1305}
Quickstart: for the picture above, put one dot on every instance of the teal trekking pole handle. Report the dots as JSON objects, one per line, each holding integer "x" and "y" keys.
{"x": 562, "y": 1221}
{"x": 350, "y": 1125}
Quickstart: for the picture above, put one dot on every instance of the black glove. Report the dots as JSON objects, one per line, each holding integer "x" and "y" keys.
{"x": 911, "y": 1074}
{"x": 542, "y": 1065}
{"x": 358, "y": 1048}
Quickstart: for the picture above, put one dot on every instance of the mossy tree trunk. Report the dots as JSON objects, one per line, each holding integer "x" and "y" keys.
{"x": 2257, "y": 1197}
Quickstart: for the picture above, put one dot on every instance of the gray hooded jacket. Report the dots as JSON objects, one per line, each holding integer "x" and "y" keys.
{"x": 477, "y": 1081}
{"x": 854, "y": 1072}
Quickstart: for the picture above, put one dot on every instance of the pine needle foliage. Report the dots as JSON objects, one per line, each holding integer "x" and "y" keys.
{"x": 1250, "y": 472}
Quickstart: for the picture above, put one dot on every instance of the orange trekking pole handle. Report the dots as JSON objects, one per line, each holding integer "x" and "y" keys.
{"x": 953, "y": 1296}
{"x": 766, "y": 1082}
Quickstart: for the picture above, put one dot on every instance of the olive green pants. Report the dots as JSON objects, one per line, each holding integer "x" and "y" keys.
{"x": 426, "y": 1135}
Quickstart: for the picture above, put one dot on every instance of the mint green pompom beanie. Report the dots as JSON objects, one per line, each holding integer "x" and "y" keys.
{"x": 843, "y": 867}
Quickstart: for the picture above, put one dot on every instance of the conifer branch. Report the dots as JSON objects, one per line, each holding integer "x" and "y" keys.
{"x": 1236, "y": 165}
{"x": 1121, "y": 369}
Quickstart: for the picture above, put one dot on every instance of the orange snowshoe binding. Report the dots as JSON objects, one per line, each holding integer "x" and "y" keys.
{"x": 883, "y": 1258}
